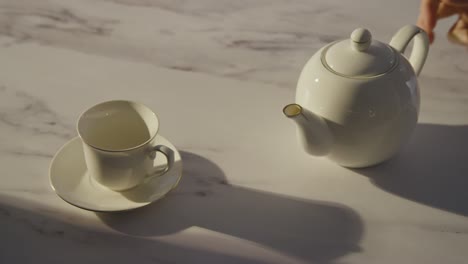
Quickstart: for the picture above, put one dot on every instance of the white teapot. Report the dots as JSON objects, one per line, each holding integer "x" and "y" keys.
{"x": 357, "y": 100}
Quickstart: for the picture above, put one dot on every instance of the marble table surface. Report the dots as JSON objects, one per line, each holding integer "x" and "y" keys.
{"x": 218, "y": 73}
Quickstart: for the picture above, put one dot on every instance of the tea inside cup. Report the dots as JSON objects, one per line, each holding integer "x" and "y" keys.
{"x": 118, "y": 125}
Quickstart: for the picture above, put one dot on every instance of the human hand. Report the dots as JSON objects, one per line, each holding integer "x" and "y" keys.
{"x": 432, "y": 10}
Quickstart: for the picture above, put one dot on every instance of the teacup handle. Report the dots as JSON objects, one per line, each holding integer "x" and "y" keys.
{"x": 420, "y": 47}
{"x": 168, "y": 152}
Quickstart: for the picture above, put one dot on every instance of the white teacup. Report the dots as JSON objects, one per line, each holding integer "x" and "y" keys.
{"x": 119, "y": 143}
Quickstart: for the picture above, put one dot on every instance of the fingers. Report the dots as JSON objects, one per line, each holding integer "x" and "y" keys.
{"x": 456, "y": 3}
{"x": 446, "y": 10}
{"x": 459, "y": 31}
{"x": 428, "y": 17}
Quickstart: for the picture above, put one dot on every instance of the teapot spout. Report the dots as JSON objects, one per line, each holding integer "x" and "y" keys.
{"x": 312, "y": 130}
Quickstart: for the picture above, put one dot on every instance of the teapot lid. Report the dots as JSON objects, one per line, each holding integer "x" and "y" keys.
{"x": 359, "y": 56}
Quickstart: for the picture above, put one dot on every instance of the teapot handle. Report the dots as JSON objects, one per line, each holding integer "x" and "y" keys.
{"x": 420, "y": 47}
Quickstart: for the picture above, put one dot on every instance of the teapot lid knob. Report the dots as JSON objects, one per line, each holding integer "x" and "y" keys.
{"x": 361, "y": 39}
{"x": 359, "y": 56}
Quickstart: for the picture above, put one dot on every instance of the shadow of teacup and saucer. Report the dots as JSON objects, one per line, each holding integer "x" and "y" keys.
{"x": 307, "y": 230}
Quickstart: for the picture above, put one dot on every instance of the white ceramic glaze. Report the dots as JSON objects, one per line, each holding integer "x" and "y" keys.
{"x": 193, "y": 66}
{"x": 358, "y": 102}
{"x": 119, "y": 143}
{"x": 72, "y": 181}
{"x": 359, "y": 56}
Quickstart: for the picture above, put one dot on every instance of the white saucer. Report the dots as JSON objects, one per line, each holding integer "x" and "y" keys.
{"x": 70, "y": 180}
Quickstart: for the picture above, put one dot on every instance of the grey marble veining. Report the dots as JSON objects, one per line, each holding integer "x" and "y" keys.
{"x": 26, "y": 115}
{"x": 218, "y": 72}
{"x": 266, "y": 41}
